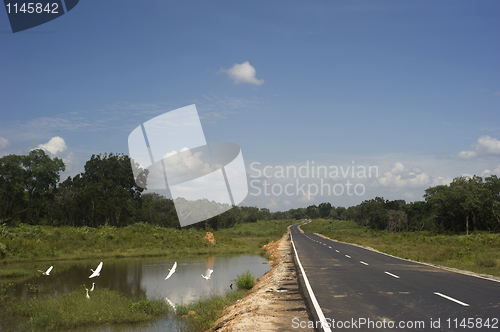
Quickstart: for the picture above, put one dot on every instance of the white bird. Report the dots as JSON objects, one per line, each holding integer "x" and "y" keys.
{"x": 97, "y": 271}
{"x": 209, "y": 272}
{"x": 172, "y": 270}
{"x": 88, "y": 297}
{"x": 46, "y": 273}
{"x": 92, "y": 289}
{"x": 171, "y": 303}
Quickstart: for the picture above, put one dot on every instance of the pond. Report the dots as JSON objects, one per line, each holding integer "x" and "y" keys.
{"x": 145, "y": 277}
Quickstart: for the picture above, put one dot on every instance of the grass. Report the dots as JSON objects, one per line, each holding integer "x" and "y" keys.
{"x": 201, "y": 315}
{"x": 73, "y": 310}
{"x": 43, "y": 243}
{"x": 478, "y": 252}
{"x": 38, "y": 245}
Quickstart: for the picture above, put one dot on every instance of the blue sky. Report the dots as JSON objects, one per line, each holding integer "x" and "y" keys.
{"x": 412, "y": 88}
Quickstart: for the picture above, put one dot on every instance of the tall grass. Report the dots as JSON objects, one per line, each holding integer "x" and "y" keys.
{"x": 478, "y": 252}
{"x": 73, "y": 310}
{"x": 27, "y": 243}
{"x": 201, "y": 315}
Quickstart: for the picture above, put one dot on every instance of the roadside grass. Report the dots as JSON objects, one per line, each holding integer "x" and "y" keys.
{"x": 201, "y": 315}
{"x": 73, "y": 310}
{"x": 478, "y": 252}
{"x": 42, "y": 243}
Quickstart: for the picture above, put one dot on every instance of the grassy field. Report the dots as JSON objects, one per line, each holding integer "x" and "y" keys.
{"x": 38, "y": 243}
{"x": 73, "y": 310}
{"x": 32, "y": 245}
{"x": 478, "y": 252}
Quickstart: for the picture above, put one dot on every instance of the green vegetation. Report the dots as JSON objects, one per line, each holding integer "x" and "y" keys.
{"x": 478, "y": 252}
{"x": 73, "y": 310}
{"x": 201, "y": 315}
{"x": 245, "y": 281}
{"x": 26, "y": 242}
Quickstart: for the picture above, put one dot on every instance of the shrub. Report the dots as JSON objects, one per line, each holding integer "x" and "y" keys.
{"x": 245, "y": 281}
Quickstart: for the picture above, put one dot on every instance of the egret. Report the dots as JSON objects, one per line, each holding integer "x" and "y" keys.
{"x": 170, "y": 303}
{"x": 97, "y": 271}
{"x": 172, "y": 270}
{"x": 209, "y": 272}
{"x": 88, "y": 297}
{"x": 46, "y": 273}
{"x": 92, "y": 289}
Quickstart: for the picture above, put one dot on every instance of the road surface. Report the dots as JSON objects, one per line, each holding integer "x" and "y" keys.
{"x": 351, "y": 288}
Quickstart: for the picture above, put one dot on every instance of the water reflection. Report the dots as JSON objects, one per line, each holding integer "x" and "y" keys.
{"x": 145, "y": 277}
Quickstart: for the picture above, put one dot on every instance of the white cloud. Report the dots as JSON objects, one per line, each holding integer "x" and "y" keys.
{"x": 438, "y": 181}
{"x": 487, "y": 172}
{"x": 409, "y": 196}
{"x": 55, "y": 145}
{"x": 402, "y": 177}
{"x": 272, "y": 204}
{"x": 484, "y": 146}
{"x": 4, "y": 143}
{"x": 243, "y": 73}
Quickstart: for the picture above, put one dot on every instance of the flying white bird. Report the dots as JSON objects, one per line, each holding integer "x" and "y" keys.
{"x": 209, "y": 272}
{"x": 46, "y": 273}
{"x": 172, "y": 270}
{"x": 97, "y": 271}
{"x": 92, "y": 289}
{"x": 88, "y": 297}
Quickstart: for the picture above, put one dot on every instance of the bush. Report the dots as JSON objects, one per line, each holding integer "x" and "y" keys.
{"x": 245, "y": 281}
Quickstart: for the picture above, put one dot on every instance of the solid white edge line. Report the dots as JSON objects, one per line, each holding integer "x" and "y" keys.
{"x": 363, "y": 263}
{"x": 321, "y": 316}
{"x": 451, "y": 299}
{"x": 392, "y": 275}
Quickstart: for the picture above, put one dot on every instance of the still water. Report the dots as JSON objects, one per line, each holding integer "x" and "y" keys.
{"x": 145, "y": 277}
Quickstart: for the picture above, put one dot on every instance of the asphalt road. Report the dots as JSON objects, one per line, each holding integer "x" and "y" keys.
{"x": 357, "y": 289}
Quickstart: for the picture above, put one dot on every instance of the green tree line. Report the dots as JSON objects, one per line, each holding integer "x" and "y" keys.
{"x": 104, "y": 194}
{"x": 107, "y": 194}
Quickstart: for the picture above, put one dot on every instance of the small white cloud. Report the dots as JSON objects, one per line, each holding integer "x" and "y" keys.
{"x": 467, "y": 154}
{"x": 487, "y": 172}
{"x": 402, "y": 177}
{"x": 484, "y": 146}
{"x": 272, "y": 203}
{"x": 409, "y": 196}
{"x": 4, "y": 143}
{"x": 441, "y": 181}
{"x": 243, "y": 73}
{"x": 55, "y": 145}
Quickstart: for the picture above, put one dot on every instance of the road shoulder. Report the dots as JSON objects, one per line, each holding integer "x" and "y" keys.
{"x": 274, "y": 301}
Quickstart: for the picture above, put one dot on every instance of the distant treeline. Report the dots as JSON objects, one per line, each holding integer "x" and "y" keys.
{"x": 106, "y": 194}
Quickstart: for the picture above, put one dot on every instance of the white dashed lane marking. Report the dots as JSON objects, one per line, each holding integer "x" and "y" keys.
{"x": 392, "y": 275}
{"x": 451, "y": 299}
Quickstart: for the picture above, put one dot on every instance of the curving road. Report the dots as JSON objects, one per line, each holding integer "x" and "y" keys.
{"x": 350, "y": 288}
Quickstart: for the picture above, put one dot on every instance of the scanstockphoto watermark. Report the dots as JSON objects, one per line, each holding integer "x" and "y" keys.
{"x": 309, "y": 179}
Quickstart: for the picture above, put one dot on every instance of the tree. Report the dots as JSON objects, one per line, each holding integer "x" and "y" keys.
{"x": 312, "y": 212}
{"x": 340, "y": 212}
{"x": 29, "y": 180}
{"x": 492, "y": 185}
{"x": 324, "y": 210}
{"x": 109, "y": 189}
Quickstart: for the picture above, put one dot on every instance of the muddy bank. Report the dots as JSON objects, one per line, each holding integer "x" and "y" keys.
{"x": 274, "y": 301}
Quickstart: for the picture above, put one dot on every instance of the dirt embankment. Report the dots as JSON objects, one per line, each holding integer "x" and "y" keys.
{"x": 274, "y": 301}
